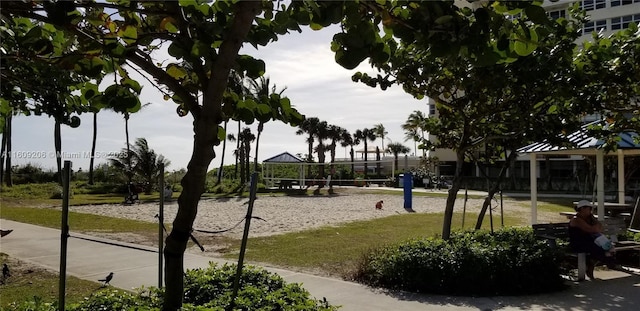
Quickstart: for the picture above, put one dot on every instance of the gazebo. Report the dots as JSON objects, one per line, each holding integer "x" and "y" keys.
{"x": 585, "y": 145}
{"x": 284, "y": 158}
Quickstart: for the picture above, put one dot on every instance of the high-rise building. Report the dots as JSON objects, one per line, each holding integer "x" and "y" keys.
{"x": 606, "y": 16}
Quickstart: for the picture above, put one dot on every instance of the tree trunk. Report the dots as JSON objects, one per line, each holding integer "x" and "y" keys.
{"x": 247, "y": 162}
{"x": 321, "y": 159}
{"x": 255, "y": 159}
{"x": 3, "y": 155}
{"x": 93, "y": 146}
{"x": 494, "y": 188}
{"x": 395, "y": 161}
{"x": 310, "y": 156}
{"x": 205, "y": 138}
{"x": 451, "y": 198}
{"x": 57, "y": 142}
{"x": 241, "y": 163}
{"x": 366, "y": 166}
{"x": 224, "y": 148}
{"x": 8, "y": 180}
{"x": 235, "y": 172}
{"x": 377, "y": 163}
{"x": 353, "y": 166}
{"x": 126, "y": 133}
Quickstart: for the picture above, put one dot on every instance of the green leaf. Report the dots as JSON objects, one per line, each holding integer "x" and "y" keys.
{"x": 32, "y": 36}
{"x": 74, "y": 122}
{"x": 176, "y": 50}
{"x": 263, "y": 112}
{"x": 350, "y": 59}
{"x": 132, "y": 83}
{"x": 90, "y": 90}
{"x": 444, "y": 19}
{"x": 537, "y": 14}
{"x": 221, "y": 134}
{"x": 524, "y": 48}
{"x": 170, "y": 27}
{"x": 42, "y": 47}
{"x": 200, "y": 49}
{"x": 253, "y": 67}
{"x": 129, "y": 34}
{"x": 176, "y": 71}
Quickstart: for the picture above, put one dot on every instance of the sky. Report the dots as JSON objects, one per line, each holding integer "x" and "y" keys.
{"x": 302, "y": 62}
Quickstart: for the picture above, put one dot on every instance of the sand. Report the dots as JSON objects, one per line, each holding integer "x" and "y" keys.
{"x": 280, "y": 214}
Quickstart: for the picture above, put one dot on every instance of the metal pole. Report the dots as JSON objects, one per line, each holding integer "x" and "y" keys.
{"x": 245, "y": 237}
{"x": 407, "y": 185}
{"x": 64, "y": 233}
{"x": 533, "y": 182}
{"x": 161, "y": 227}
{"x": 501, "y": 210}
{"x": 464, "y": 207}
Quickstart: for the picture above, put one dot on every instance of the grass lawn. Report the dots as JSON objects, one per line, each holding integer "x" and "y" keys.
{"x": 32, "y": 283}
{"x": 336, "y": 250}
{"x": 77, "y": 221}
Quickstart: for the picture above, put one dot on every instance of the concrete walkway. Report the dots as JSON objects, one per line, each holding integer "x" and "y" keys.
{"x": 135, "y": 266}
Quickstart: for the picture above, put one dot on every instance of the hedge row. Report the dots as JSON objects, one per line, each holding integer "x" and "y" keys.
{"x": 508, "y": 262}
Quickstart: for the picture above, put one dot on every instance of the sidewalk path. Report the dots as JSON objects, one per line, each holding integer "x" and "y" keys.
{"x": 135, "y": 266}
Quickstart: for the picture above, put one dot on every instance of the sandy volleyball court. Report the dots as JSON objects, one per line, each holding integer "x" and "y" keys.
{"x": 294, "y": 213}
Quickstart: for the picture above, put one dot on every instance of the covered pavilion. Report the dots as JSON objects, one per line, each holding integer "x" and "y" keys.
{"x": 585, "y": 145}
{"x": 285, "y": 158}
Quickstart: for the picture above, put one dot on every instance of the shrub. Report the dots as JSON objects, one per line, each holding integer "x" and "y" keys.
{"x": 204, "y": 289}
{"x": 260, "y": 290}
{"x": 508, "y": 262}
{"x": 30, "y": 191}
{"x": 99, "y": 188}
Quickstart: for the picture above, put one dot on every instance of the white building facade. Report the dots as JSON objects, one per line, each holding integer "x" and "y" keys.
{"x": 606, "y": 16}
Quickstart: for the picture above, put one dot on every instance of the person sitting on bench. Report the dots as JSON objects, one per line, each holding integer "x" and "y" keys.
{"x": 584, "y": 229}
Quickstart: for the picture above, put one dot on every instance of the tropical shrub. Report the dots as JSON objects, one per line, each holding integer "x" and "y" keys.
{"x": 508, "y": 262}
{"x": 260, "y": 290}
{"x": 205, "y": 289}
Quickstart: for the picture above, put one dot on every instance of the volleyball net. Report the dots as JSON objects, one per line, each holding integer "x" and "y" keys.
{"x": 341, "y": 173}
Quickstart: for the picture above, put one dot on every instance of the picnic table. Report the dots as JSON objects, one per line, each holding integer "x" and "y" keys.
{"x": 286, "y": 183}
{"x": 612, "y": 208}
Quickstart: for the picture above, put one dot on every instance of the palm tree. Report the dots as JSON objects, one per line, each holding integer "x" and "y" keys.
{"x": 245, "y": 138}
{"x": 347, "y": 140}
{"x": 335, "y": 133}
{"x": 233, "y": 138}
{"x": 144, "y": 162}
{"x": 381, "y": 132}
{"x": 322, "y": 133}
{"x": 261, "y": 92}
{"x": 93, "y": 145}
{"x": 366, "y": 135}
{"x": 395, "y": 149}
{"x": 412, "y": 134}
{"x": 238, "y": 87}
{"x": 224, "y": 149}
{"x": 129, "y": 170}
{"x": 415, "y": 125}
{"x": 309, "y": 126}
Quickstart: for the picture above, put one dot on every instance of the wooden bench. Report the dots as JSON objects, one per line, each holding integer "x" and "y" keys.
{"x": 560, "y": 231}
